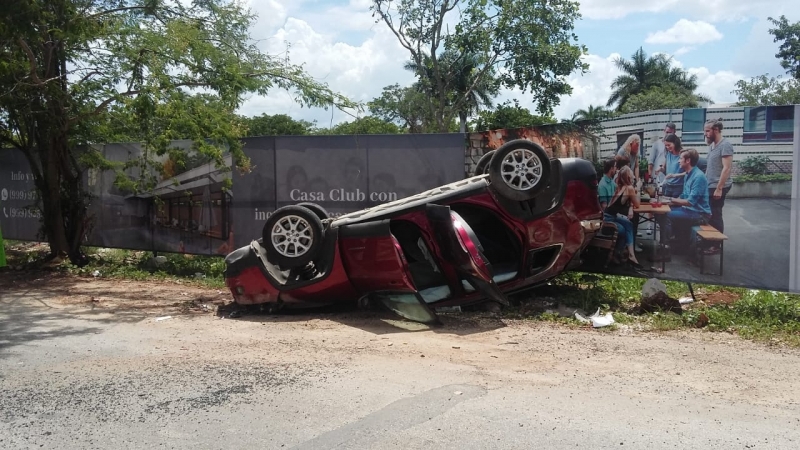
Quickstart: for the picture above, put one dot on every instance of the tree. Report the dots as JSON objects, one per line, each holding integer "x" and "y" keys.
{"x": 508, "y": 116}
{"x": 764, "y": 90}
{"x": 406, "y": 107}
{"x": 789, "y": 52}
{"x": 530, "y": 45}
{"x": 662, "y": 97}
{"x": 276, "y": 125}
{"x": 363, "y": 125}
{"x": 592, "y": 114}
{"x": 72, "y": 70}
{"x": 643, "y": 73}
{"x": 460, "y": 70}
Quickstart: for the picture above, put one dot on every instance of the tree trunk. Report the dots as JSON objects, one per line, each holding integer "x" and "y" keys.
{"x": 63, "y": 205}
{"x": 462, "y": 119}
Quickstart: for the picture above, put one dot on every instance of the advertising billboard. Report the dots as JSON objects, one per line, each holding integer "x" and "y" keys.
{"x": 747, "y": 237}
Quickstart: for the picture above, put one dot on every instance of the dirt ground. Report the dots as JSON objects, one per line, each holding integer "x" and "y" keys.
{"x": 156, "y": 364}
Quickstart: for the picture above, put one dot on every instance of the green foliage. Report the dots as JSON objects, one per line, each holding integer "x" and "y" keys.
{"x": 508, "y": 115}
{"x": 757, "y": 314}
{"x": 406, "y": 107}
{"x": 461, "y": 87}
{"x": 78, "y": 72}
{"x": 763, "y": 177}
{"x": 593, "y": 114}
{"x": 764, "y": 91}
{"x": 138, "y": 265}
{"x": 276, "y": 125}
{"x": 754, "y": 165}
{"x": 660, "y": 97}
{"x": 529, "y": 45}
{"x": 655, "y": 81}
{"x": 789, "y": 52}
{"x": 363, "y": 125}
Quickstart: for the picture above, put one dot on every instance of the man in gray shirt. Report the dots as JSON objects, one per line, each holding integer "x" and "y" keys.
{"x": 655, "y": 158}
{"x": 718, "y": 173}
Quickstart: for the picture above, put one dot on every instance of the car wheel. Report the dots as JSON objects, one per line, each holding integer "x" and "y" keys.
{"x": 318, "y": 210}
{"x": 292, "y": 236}
{"x": 483, "y": 164}
{"x": 519, "y": 170}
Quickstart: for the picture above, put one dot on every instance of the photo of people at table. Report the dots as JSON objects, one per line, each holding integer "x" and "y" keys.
{"x": 677, "y": 201}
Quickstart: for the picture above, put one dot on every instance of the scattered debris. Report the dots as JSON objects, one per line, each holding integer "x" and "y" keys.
{"x": 235, "y": 314}
{"x": 685, "y": 300}
{"x": 446, "y": 309}
{"x": 702, "y": 321}
{"x": 159, "y": 319}
{"x": 597, "y": 320}
{"x": 96, "y": 273}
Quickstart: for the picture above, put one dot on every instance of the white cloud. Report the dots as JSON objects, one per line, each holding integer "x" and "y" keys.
{"x": 686, "y": 32}
{"x": 358, "y": 71}
{"x": 683, "y": 50}
{"x": 592, "y": 88}
{"x": 709, "y": 10}
{"x": 718, "y": 85}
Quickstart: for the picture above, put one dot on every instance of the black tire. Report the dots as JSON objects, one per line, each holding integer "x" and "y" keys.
{"x": 305, "y": 241}
{"x": 482, "y": 167}
{"x": 519, "y": 170}
{"x": 318, "y": 210}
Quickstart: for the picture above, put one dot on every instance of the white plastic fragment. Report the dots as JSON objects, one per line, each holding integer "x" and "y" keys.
{"x": 159, "y": 319}
{"x": 685, "y": 300}
{"x": 597, "y": 320}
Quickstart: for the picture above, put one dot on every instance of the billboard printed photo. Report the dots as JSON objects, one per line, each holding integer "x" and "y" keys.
{"x": 745, "y": 236}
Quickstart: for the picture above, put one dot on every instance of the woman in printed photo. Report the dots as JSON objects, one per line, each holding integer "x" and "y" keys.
{"x": 620, "y": 210}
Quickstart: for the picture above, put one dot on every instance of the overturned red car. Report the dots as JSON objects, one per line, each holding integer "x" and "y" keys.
{"x": 521, "y": 220}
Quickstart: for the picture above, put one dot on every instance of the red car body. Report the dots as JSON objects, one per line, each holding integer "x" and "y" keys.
{"x": 459, "y": 244}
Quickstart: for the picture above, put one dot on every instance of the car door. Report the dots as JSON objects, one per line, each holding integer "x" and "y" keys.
{"x": 461, "y": 248}
{"x": 376, "y": 267}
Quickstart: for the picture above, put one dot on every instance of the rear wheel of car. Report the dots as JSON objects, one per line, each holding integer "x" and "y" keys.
{"x": 483, "y": 164}
{"x": 318, "y": 210}
{"x": 519, "y": 170}
{"x": 292, "y": 236}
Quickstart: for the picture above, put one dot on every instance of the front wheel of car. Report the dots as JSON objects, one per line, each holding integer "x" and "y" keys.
{"x": 519, "y": 170}
{"x": 292, "y": 236}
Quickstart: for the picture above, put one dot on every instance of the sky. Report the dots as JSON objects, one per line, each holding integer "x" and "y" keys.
{"x": 339, "y": 43}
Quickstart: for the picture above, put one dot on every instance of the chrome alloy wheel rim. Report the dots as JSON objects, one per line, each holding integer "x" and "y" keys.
{"x": 521, "y": 169}
{"x": 292, "y": 236}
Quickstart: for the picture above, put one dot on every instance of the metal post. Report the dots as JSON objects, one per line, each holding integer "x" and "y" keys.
{"x": 794, "y": 230}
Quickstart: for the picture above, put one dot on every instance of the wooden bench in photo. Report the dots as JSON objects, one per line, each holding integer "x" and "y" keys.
{"x": 705, "y": 235}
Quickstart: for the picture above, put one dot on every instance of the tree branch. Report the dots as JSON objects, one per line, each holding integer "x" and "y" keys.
{"x": 31, "y": 60}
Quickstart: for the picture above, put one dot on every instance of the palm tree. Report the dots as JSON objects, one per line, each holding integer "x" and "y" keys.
{"x": 642, "y": 73}
{"x": 592, "y": 113}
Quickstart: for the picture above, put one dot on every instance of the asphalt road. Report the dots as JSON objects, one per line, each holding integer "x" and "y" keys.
{"x": 756, "y": 252}
{"x": 87, "y": 367}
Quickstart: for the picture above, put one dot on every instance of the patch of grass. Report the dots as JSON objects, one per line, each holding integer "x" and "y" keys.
{"x": 760, "y": 315}
{"x": 127, "y": 264}
{"x": 666, "y": 321}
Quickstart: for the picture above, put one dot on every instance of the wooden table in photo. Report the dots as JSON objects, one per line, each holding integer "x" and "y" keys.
{"x": 642, "y": 211}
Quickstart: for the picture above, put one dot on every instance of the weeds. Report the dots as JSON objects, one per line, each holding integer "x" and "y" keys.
{"x": 760, "y": 315}
{"x": 127, "y": 264}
